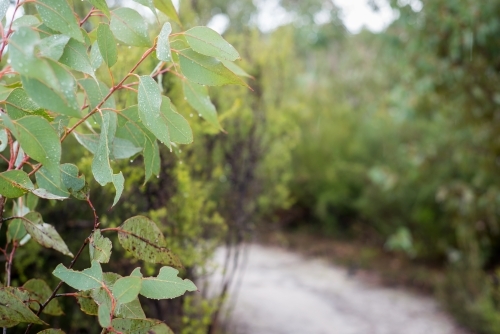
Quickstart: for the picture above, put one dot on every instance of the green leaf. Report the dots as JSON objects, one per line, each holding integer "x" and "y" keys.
{"x": 39, "y": 140}
{"x": 25, "y": 21}
{"x": 167, "y": 7}
{"x": 53, "y": 46}
{"x": 130, "y": 310}
{"x": 197, "y": 97}
{"x": 129, "y": 27}
{"x": 13, "y": 310}
{"x": 90, "y": 278}
{"x": 149, "y": 102}
{"x": 14, "y": 183}
{"x": 206, "y": 70}
{"x": 45, "y": 234}
{"x": 140, "y": 326}
{"x": 144, "y": 240}
{"x": 40, "y": 291}
{"x": 101, "y": 166}
{"x": 208, "y": 42}
{"x": 16, "y": 230}
{"x": 58, "y": 15}
{"x": 100, "y": 247}
{"x": 53, "y": 184}
{"x": 101, "y": 5}
{"x": 96, "y": 91}
{"x": 95, "y": 56}
{"x": 104, "y": 301}
{"x": 235, "y": 69}
{"x": 61, "y": 100}
{"x": 51, "y": 331}
{"x": 126, "y": 289}
{"x": 166, "y": 285}
{"x": 121, "y": 149}
{"x": 107, "y": 44}
{"x": 178, "y": 127}
{"x": 19, "y": 105}
{"x": 75, "y": 56}
{"x": 163, "y": 51}
{"x": 87, "y": 303}
{"x": 131, "y": 127}
{"x": 4, "y": 5}
{"x": 70, "y": 178}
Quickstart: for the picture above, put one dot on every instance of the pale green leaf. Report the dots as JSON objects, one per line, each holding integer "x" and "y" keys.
{"x": 198, "y": 98}
{"x": 90, "y": 278}
{"x": 58, "y": 15}
{"x": 16, "y": 230}
{"x": 166, "y": 285}
{"x": 87, "y": 303}
{"x": 121, "y": 148}
{"x": 149, "y": 102}
{"x": 53, "y": 46}
{"x": 45, "y": 234}
{"x": 178, "y": 127}
{"x": 141, "y": 326}
{"x": 25, "y": 21}
{"x": 140, "y": 236}
{"x": 18, "y": 104}
{"x": 40, "y": 292}
{"x": 126, "y": 289}
{"x": 132, "y": 309}
{"x": 75, "y": 56}
{"x": 95, "y": 56}
{"x": 163, "y": 51}
{"x": 70, "y": 178}
{"x": 167, "y": 7}
{"x": 39, "y": 140}
{"x": 104, "y": 302}
{"x": 206, "y": 70}
{"x": 129, "y": 27}
{"x": 54, "y": 184}
{"x": 4, "y": 140}
{"x": 149, "y": 4}
{"x": 107, "y": 44}
{"x": 208, "y": 42}
{"x": 96, "y": 91}
{"x": 235, "y": 68}
{"x": 99, "y": 247}
{"x": 4, "y": 5}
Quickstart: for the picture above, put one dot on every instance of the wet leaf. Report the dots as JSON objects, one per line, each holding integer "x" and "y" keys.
{"x": 14, "y": 183}
{"x": 75, "y": 56}
{"x": 130, "y": 310}
{"x": 101, "y": 5}
{"x": 126, "y": 289}
{"x": 178, "y": 127}
{"x": 167, "y": 7}
{"x": 198, "y": 98}
{"x": 107, "y": 44}
{"x": 58, "y": 15}
{"x": 40, "y": 291}
{"x": 163, "y": 51}
{"x": 129, "y": 27}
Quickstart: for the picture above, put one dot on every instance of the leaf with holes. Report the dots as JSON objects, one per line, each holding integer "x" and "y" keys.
{"x": 140, "y": 236}
{"x": 140, "y": 326}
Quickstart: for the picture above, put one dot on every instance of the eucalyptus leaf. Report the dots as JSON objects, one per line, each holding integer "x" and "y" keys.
{"x": 45, "y": 234}
{"x": 166, "y": 285}
{"x": 58, "y": 15}
{"x": 208, "y": 42}
{"x": 198, "y": 98}
{"x": 107, "y": 44}
{"x": 90, "y": 278}
{"x": 129, "y": 27}
{"x": 141, "y": 326}
{"x": 163, "y": 51}
{"x": 100, "y": 247}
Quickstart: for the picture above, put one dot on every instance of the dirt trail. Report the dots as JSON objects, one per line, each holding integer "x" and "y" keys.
{"x": 284, "y": 293}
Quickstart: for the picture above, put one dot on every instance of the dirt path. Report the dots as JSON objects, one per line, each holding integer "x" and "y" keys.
{"x": 283, "y": 292}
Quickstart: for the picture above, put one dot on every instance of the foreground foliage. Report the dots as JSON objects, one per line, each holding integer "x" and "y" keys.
{"x": 58, "y": 82}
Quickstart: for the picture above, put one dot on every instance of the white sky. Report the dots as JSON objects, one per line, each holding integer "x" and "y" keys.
{"x": 356, "y": 14}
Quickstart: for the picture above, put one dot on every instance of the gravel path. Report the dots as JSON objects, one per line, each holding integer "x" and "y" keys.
{"x": 284, "y": 293}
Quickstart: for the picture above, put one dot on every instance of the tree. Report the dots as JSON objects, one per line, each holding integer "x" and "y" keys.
{"x": 60, "y": 80}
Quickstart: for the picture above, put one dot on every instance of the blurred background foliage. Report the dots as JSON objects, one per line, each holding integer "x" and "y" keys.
{"x": 388, "y": 138}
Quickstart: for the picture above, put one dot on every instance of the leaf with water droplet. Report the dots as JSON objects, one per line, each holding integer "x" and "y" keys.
{"x": 58, "y": 15}
{"x": 129, "y": 27}
{"x": 206, "y": 70}
{"x": 198, "y": 98}
{"x": 208, "y": 42}
{"x": 75, "y": 56}
{"x": 178, "y": 127}
{"x": 107, "y": 44}
{"x": 102, "y": 5}
{"x": 163, "y": 51}
{"x": 167, "y": 8}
